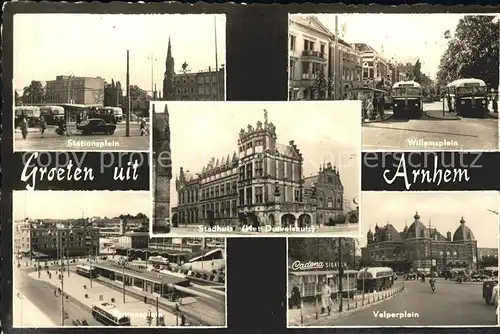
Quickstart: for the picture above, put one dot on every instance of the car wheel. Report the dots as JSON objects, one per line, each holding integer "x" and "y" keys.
{"x": 111, "y": 132}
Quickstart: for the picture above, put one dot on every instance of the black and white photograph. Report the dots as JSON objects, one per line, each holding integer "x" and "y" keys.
{"x": 94, "y": 264}
{"x": 95, "y": 94}
{"x": 262, "y": 168}
{"x": 430, "y": 83}
{"x": 422, "y": 261}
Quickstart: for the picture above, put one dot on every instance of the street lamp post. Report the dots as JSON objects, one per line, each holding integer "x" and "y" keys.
{"x": 152, "y": 58}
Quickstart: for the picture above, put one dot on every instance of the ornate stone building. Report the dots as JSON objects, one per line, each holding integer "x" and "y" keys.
{"x": 262, "y": 184}
{"x": 420, "y": 248}
{"x": 162, "y": 171}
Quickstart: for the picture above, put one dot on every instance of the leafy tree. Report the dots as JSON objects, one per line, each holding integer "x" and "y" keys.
{"x": 321, "y": 249}
{"x": 17, "y": 98}
{"x": 34, "y": 93}
{"x": 141, "y": 215}
{"x": 319, "y": 86}
{"x": 416, "y": 72}
{"x": 473, "y": 52}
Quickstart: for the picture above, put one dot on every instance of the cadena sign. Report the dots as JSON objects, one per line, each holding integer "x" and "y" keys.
{"x": 297, "y": 265}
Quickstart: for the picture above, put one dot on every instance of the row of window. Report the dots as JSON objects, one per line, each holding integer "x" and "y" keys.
{"x": 247, "y": 172}
{"x": 308, "y": 44}
{"x": 250, "y": 144}
{"x": 201, "y": 91}
{"x": 200, "y": 79}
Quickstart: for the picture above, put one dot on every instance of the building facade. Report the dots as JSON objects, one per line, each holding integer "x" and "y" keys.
{"x": 419, "y": 248}
{"x": 42, "y": 239}
{"x": 345, "y": 69}
{"x": 262, "y": 184}
{"x": 133, "y": 240}
{"x": 206, "y": 85}
{"x": 75, "y": 90}
{"x": 308, "y": 43}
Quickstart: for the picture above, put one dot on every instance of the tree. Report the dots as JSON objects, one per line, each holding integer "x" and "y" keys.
{"x": 34, "y": 93}
{"x": 319, "y": 86}
{"x": 416, "y": 72}
{"x": 17, "y": 98}
{"x": 321, "y": 249}
{"x": 473, "y": 52}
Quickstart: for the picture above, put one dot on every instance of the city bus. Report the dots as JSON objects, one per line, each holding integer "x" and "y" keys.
{"x": 407, "y": 99}
{"x": 32, "y": 113}
{"x": 86, "y": 270}
{"x": 109, "y": 315}
{"x": 52, "y": 114}
{"x": 467, "y": 96}
{"x": 375, "y": 279}
{"x": 158, "y": 261}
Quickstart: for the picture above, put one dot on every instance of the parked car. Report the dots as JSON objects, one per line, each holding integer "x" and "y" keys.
{"x": 95, "y": 125}
{"x": 490, "y": 292}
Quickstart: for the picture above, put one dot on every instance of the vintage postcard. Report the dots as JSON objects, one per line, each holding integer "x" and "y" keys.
{"x": 94, "y": 264}
{"x": 420, "y": 253}
{"x": 95, "y": 94}
{"x": 431, "y": 83}
{"x": 256, "y": 168}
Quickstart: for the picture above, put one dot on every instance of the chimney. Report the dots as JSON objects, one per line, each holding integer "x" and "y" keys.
{"x": 448, "y": 236}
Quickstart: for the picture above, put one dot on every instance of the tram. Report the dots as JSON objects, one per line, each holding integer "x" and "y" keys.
{"x": 309, "y": 282}
{"x": 467, "y": 96}
{"x": 407, "y": 99}
{"x": 375, "y": 279}
{"x": 86, "y": 270}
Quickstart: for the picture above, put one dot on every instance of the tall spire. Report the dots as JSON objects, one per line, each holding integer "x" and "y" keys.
{"x": 168, "y": 81}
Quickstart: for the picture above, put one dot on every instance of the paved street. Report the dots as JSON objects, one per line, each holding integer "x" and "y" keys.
{"x": 78, "y": 142}
{"x": 432, "y": 132}
{"x": 451, "y": 305}
{"x": 351, "y": 229}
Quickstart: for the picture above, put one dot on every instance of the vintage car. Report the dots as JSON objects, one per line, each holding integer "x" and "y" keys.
{"x": 95, "y": 125}
{"x": 490, "y": 292}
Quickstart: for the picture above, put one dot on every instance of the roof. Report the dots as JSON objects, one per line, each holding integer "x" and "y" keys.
{"x": 287, "y": 151}
{"x": 466, "y": 81}
{"x": 198, "y": 258}
{"x": 310, "y": 181}
{"x": 143, "y": 274}
{"x": 312, "y": 22}
{"x": 463, "y": 232}
{"x": 320, "y": 272}
{"x": 411, "y": 82}
{"x": 389, "y": 228}
{"x": 417, "y": 229}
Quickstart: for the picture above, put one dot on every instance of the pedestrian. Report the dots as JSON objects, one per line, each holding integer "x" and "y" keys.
{"x": 375, "y": 103}
{"x": 495, "y": 103}
{"x": 296, "y": 298}
{"x": 370, "y": 109}
{"x": 326, "y": 300}
{"x": 24, "y": 127}
{"x": 381, "y": 106}
{"x": 43, "y": 125}
{"x": 448, "y": 98}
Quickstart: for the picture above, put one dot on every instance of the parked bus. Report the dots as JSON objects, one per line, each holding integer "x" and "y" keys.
{"x": 32, "y": 113}
{"x": 407, "y": 99}
{"x": 52, "y": 114}
{"x": 375, "y": 279}
{"x": 467, "y": 96}
{"x": 109, "y": 315}
{"x": 158, "y": 262}
{"x": 86, "y": 270}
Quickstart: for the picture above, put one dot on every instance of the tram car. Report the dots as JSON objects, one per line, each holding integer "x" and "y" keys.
{"x": 31, "y": 113}
{"x": 309, "y": 282}
{"x": 467, "y": 97}
{"x": 375, "y": 279}
{"x": 52, "y": 114}
{"x": 407, "y": 99}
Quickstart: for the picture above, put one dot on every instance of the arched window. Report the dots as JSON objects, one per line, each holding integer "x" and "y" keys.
{"x": 330, "y": 202}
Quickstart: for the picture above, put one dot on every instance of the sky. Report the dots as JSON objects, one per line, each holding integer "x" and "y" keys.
{"x": 444, "y": 209}
{"x": 71, "y": 204}
{"x": 404, "y": 37}
{"x": 323, "y": 131}
{"x": 47, "y": 45}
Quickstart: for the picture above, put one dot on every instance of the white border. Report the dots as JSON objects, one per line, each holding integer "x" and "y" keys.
{"x": 14, "y": 299}
{"x": 262, "y": 235}
{"x": 393, "y": 326}
{"x": 387, "y": 148}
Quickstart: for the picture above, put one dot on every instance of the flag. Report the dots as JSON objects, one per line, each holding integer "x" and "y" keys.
{"x": 447, "y": 34}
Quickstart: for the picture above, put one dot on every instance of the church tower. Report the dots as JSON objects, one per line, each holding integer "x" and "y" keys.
{"x": 162, "y": 171}
{"x": 168, "y": 77}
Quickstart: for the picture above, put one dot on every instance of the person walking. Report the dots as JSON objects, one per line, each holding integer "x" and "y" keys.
{"x": 24, "y": 127}
{"x": 381, "y": 105}
{"x": 494, "y": 103}
{"x": 43, "y": 126}
{"x": 370, "y": 109}
{"x": 326, "y": 299}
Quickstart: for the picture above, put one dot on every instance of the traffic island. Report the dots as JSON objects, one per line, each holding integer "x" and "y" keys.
{"x": 387, "y": 116}
{"x": 439, "y": 115}
{"x": 310, "y": 315}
